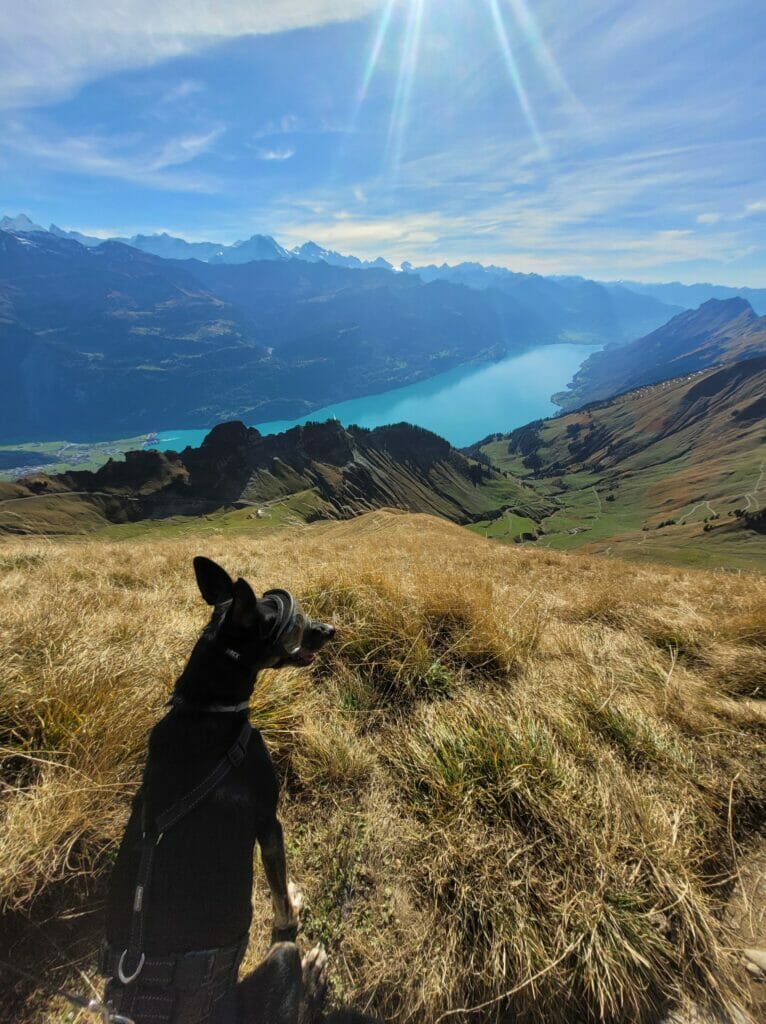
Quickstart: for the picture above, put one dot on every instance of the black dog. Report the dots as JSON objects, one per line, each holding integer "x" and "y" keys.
{"x": 179, "y": 904}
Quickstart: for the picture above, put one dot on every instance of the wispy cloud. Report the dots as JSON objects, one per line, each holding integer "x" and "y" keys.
{"x": 48, "y": 49}
{"x": 185, "y": 88}
{"x": 288, "y": 124}
{"x": 584, "y": 214}
{"x": 126, "y": 158}
{"x": 757, "y": 207}
{"x": 278, "y": 155}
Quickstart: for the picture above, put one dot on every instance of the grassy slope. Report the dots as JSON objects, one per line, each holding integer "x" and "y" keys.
{"x": 513, "y": 764}
{"x": 654, "y": 461}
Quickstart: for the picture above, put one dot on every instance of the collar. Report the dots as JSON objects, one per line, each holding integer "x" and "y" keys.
{"x": 212, "y": 631}
{"x": 177, "y": 701}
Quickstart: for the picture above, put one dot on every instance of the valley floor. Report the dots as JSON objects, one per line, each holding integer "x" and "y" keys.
{"x": 17, "y": 460}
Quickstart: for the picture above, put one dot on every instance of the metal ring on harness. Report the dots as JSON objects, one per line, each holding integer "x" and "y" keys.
{"x": 107, "y": 1015}
{"x": 126, "y": 980}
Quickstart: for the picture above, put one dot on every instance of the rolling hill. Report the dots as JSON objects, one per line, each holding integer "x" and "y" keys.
{"x": 720, "y": 331}
{"x": 675, "y": 470}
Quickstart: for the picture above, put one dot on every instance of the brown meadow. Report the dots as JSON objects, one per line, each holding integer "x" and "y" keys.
{"x": 518, "y": 782}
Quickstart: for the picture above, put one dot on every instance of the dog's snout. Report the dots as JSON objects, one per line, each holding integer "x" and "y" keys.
{"x": 328, "y": 630}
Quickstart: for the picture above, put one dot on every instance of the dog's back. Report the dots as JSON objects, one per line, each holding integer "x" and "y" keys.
{"x": 200, "y": 892}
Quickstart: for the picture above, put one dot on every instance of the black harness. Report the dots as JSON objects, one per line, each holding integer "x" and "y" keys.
{"x": 179, "y": 988}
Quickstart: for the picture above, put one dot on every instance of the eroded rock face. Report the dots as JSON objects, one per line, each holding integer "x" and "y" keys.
{"x": 348, "y": 470}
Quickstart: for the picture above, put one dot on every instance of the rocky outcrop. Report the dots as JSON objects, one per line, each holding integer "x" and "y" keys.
{"x": 348, "y": 471}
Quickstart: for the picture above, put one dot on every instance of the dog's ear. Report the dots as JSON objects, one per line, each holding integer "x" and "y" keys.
{"x": 214, "y": 583}
{"x": 244, "y": 611}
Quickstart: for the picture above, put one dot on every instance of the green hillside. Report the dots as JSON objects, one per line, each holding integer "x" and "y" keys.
{"x": 674, "y": 471}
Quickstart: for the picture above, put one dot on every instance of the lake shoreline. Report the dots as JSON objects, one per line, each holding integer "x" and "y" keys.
{"x": 457, "y": 404}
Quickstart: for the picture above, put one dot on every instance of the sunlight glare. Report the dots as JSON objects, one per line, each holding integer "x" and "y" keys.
{"x": 407, "y": 70}
{"x": 528, "y": 25}
{"x": 514, "y": 73}
{"x": 377, "y": 47}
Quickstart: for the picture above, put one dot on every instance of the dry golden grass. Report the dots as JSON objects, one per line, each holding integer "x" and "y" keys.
{"x": 518, "y": 780}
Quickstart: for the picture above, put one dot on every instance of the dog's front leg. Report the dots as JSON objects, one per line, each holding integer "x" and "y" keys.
{"x": 286, "y": 898}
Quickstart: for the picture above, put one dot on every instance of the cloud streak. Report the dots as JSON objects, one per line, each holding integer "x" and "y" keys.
{"x": 49, "y": 49}
{"x": 125, "y": 158}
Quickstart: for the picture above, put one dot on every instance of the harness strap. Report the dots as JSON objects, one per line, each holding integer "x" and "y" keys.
{"x": 133, "y": 958}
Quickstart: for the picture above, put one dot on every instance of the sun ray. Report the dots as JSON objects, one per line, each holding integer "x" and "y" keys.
{"x": 542, "y": 53}
{"x": 377, "y": 47}
{"x": 407, "y": 68}
{"x": 514, "y": 72}
{"x": 372, "y": 63}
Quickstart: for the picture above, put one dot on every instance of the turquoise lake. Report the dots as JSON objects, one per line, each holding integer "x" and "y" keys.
{"x": 463, "y": 405}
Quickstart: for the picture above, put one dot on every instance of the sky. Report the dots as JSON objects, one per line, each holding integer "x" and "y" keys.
{"x": 608, "y": 138}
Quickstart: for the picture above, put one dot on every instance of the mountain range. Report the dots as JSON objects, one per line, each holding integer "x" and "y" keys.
{"x": 109, "y": 341}
{"x": 592, "y": 312}
{"x": 673, "y": 295}
{"x": 692, "y": 295}
{"x": 256, "y": 247}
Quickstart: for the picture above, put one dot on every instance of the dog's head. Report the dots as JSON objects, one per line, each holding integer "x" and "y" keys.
{"x": 271, "y": 631}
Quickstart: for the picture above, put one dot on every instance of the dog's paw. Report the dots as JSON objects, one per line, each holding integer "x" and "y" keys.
{"x": 287, "y": 915}
{"x": 296, "y": 900}
{"x": 314, "y": 967}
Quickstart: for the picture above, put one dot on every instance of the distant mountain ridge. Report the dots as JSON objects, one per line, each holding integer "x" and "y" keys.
{"x": 720, "y": 331}
{"x": 693, "y": 295}
{"x": 112, "y": 342}
{"x": 590, "y": 311}
{"x": 476, "y": 275}
{"x": 170, "y": 247}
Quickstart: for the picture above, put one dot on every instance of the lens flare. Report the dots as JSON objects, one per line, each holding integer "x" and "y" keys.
{"x": 545, "y": 59}
{"x": 513, "y": 22}
{"x": 407, "y": 70}
{"x": 377, "y": 47}
{"x": 514, "y": 73}
{"x": 372, "y": 63}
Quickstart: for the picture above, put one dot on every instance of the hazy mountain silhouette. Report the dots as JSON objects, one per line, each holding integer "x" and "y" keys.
{"x": 720, "y": 331}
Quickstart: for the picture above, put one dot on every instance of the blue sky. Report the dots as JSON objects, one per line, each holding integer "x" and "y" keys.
{"x": 602, "y": 137}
